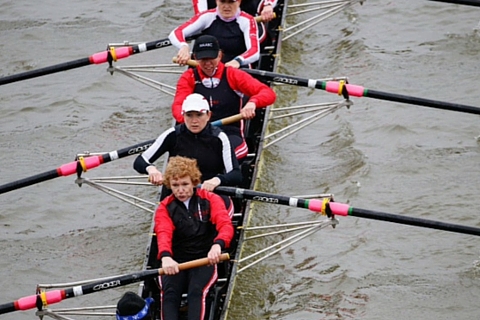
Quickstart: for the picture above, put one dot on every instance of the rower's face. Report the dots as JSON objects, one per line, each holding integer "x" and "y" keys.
{"x": 182, "y": 188}
{"x": 227, "y": 8}
{"x": 208, "y": 65}
{"x": 196, "y": 121}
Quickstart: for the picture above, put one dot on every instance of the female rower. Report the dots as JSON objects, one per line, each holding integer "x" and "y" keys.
{"x": 196, "y": 139}
{"x": 263, "y": 8}
{"x": 235, "y": 30}
{"x": 189, "y": 224}
{"x": 224, "y": 88}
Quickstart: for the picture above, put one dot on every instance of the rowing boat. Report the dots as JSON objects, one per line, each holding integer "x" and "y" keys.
{"x": 220, "y": 294}
{"x": 322, "y": 237}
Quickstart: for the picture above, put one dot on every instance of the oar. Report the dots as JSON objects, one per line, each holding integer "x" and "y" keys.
{"x": 359, "y": 91}
{"x": 84, "y": 164}
{"x": 475, "y": 3}
{"x": 109, "y": 55}
{"x": 330, "y": 208}
{"x": 227, "y": 120}
{"x": 55, "y": 296}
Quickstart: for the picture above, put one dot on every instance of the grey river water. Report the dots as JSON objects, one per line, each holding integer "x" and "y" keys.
{"x": 376, "y": 155}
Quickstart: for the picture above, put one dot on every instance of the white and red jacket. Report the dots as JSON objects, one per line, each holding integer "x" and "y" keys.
{"x": 237, "y": 37}
{"x": 252, "y": 7}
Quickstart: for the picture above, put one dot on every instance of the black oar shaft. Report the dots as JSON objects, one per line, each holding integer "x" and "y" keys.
{"x": 359, "y": 91}
{"x": 421, "y": 101}
{"x": 413, "y": 221}
{"x": 45, "y": 176}
{"x": 239, "y": 193}
{"x": 72, "y": 167}
{"x": 55, "y": 296}
{"x": 475, "y": 3}
{"x": 98, "y": 58}
{"x": 342, "y": 209}
{"x": 329, "y": 207}
{"x": 44, "y": 71}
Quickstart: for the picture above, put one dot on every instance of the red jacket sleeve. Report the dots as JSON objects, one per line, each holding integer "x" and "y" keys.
{"x": 220, "y": 218}
{"x": 259, "y": 93}
{"x": 185, "y": 86}
{"x": 164, "y": 229}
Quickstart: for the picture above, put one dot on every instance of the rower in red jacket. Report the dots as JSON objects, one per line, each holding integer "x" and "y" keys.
{"x": 235, "y": 30}
{"x": 224, "y": 88}
{"x": 190, "y": 224}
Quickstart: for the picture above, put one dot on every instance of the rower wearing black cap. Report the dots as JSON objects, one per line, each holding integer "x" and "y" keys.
{"x": 224, "y": 88}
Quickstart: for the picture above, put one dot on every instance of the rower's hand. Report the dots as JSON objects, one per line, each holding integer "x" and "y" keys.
{"x": 154, "y": 176}
{"x": 169, "y": 266}
{"x": 183, "y": 55}
{"x": 214, "y": 254}
{"x": 233, "y": 63}
{"x": 267, "y": 13}
{"x": 248, "y": 112}
{"x": 211, "y": 184}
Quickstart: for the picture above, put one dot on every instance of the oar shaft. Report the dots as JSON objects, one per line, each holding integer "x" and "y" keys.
{"x": 312, "y": 204}
{"x": 421, "y": 101}
{"x": 475, "y": 3}
{"x": 93, "y": 161}
{"x": 72, "y": 167}
{"x": 359, "y": 91}
{"x": 55, "y": 296}
{"x": 345, "y": 210}
{"x": 113, "y": 54}
{"x": 45, "y": 176}
{"x": 328, "y": 207}
{"x": 44, "y": 71}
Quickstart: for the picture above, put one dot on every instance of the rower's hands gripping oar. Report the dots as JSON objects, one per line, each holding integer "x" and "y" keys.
{"x": 51, "y": 297}
{"x": 330, "y": 209}
{"x": 345, "y": 89}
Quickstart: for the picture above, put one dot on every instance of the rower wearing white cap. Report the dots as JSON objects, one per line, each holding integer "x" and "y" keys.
{"x": 195, "y": 139}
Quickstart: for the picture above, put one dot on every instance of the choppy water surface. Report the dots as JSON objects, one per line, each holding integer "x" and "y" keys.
{"x": 376, "y": 155}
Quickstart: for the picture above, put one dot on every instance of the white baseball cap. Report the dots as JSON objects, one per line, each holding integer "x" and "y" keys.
{"x": 195, "y": 102}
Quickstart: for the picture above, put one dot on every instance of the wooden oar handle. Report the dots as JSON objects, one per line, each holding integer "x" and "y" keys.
{"x": 231, "y": 119}
{"x": 196, "y": 263}
{"x": 259, "y": 18}
{"x": 190, "y": 62}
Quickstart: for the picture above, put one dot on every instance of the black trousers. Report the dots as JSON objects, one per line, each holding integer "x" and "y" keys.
{"x": 196, "y": 283}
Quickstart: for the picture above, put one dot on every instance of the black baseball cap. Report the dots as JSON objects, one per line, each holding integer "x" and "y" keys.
{"x": 206, "y": 46}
